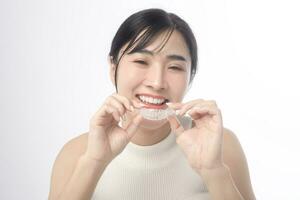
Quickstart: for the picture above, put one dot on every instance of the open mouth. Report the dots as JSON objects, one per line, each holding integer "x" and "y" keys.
{"x": 152, "y": 102}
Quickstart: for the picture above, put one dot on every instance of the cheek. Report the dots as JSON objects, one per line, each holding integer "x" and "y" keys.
{"x": 130, "y": 73}
{"x": 178, "y": 85}
{"x": 128, "y": 76}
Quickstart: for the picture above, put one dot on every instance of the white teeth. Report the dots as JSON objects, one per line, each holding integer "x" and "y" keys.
{"x": 148, "y": 99}
{"x": 151, "y": 100}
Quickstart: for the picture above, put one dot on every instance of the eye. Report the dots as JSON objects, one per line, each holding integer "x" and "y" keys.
{"x": 141, "y": 62}
{"x": 177, "y": 68}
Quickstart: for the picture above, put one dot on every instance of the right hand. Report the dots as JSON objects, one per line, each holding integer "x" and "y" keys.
{"x": 106, "y": 139}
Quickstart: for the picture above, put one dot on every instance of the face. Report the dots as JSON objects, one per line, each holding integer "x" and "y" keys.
{"x": 162, "y": 75}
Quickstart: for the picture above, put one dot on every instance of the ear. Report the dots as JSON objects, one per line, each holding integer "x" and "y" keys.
{"x": 112, "y": 69}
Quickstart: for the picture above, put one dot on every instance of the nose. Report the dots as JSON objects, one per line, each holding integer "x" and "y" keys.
{"x": 155, "y": 78}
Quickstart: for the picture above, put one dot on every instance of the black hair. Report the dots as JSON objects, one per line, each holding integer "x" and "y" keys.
{"x": 147, "y": 24}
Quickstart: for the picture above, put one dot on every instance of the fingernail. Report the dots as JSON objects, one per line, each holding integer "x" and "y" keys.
{"x": 132, "y": 108}
{"x": 168, "y": 103}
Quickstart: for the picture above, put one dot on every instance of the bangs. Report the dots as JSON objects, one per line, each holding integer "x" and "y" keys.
{"x": 148, "y": 37}
{"x": 145, "y": 37}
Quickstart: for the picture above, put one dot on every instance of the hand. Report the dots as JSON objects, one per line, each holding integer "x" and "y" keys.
{"x": 106, "y": 139}
{"x": 202, "y": 144}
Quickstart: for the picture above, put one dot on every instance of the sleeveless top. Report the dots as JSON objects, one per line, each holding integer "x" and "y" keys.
{"x": 156, "y": 172}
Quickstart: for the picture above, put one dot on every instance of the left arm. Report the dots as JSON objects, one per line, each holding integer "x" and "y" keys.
{"x": 232, "y": 181}
{"x": 213, "y": 151}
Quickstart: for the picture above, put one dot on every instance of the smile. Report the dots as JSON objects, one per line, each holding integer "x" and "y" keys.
{"x": 152, "y": 99}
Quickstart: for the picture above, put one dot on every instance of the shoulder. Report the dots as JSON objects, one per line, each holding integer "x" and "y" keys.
{"x": 73, "y": 149}
{"x": 233, "y": 152}
{"x": 65, "y": 162}
{"x": 76, "y": 145}
{"x": 230, "y": 140}
{"x": 235, "y": 158}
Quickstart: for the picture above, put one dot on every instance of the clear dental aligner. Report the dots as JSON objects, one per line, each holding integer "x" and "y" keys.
{"x": 156, "y": 114}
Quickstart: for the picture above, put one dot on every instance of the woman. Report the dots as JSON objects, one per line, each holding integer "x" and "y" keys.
{"x": 124, "y": 155}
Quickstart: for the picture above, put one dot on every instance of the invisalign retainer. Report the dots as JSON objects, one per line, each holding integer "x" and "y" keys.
{"x": 156, "y": 114}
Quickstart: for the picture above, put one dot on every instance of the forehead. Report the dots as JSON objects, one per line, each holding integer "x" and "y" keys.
{"x": 175, "y": 45}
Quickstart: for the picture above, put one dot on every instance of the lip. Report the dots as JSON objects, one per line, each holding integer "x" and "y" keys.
{"x": 162, "y": 107}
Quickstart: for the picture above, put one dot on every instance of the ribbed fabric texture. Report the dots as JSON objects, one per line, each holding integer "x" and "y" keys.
{"x": 156, "y": 172}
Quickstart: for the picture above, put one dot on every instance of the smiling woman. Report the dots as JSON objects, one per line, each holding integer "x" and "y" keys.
{"x": 144, "y": 142}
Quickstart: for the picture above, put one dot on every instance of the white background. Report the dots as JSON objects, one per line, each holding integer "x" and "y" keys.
{"x": 54, "y": 76}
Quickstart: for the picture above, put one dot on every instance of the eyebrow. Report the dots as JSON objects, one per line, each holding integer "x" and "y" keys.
{"x": 171, "y": 56}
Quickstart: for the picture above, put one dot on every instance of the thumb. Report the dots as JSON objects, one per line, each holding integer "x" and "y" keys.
{"x": 176, "y": 127}
{"x": 175, "y": 106}
{"x": 133, "y": 126}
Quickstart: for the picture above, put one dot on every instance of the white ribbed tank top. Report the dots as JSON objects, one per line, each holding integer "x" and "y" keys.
{"x": 156, "y": 172}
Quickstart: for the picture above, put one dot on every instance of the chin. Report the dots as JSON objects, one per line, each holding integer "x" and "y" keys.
{"x": 151, "y": 124}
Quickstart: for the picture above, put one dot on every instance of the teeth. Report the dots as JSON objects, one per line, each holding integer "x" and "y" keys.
{"x": 151, "y": 100}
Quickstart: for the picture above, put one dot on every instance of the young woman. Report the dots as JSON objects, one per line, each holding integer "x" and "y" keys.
{"x": 188, "y": 155}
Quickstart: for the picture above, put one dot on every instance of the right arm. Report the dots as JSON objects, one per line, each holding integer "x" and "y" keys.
{"x": 74, "y": 176}
{"x": 82, "y": 161}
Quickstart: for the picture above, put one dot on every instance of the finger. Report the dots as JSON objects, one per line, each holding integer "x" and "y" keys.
{"x": 175, "y": 125}
{"x": 198, "y": 112}
{"x": 188, "y": 105}
{"x": 114, "y": 112}
{"x": 106, "y": 110}
{"x": 213, "y": 112}
{"x": 117, "y": 105}
{"x": 132, "y": 127}
{"x": 127, "y": 103}
{"x": 175, "y": 105}
{"x": 101, "y": 116}
{"x": 185, "y": 108}
{"x": 101, "y": 112}
{"x": 215, "y": 120}
{"x": 191, "y": 104}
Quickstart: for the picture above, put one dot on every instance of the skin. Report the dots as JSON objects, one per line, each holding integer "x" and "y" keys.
{"x": 213, "y": 151}
{"x": 158, "y": 76}
{"x": 203, "y": 143}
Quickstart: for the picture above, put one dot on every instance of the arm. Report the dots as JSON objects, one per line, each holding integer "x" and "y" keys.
{"x": 220, "y": 184}
{"x": 74, "y": 176}
{"x": 82, "y": 161}
{"x": 233, "y": 180}
{"x": 212, "y": 151}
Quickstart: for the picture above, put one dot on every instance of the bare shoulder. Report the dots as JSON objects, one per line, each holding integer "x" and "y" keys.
{"x": 232, "y": 149}
{"x": 233, "y": 152}
{"x": 230, "y": 140}
{"x": 76, "y": 146}
{"x": 72, "y": 150}
{"x": 65, "y": 163}
{"x": 235, "y": 158}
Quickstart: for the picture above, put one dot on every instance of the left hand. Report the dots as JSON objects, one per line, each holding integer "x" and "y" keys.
{"x": 202, "y": 144}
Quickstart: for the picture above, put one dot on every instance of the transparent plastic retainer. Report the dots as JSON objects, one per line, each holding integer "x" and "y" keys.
{"x": 156, "y": 114}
